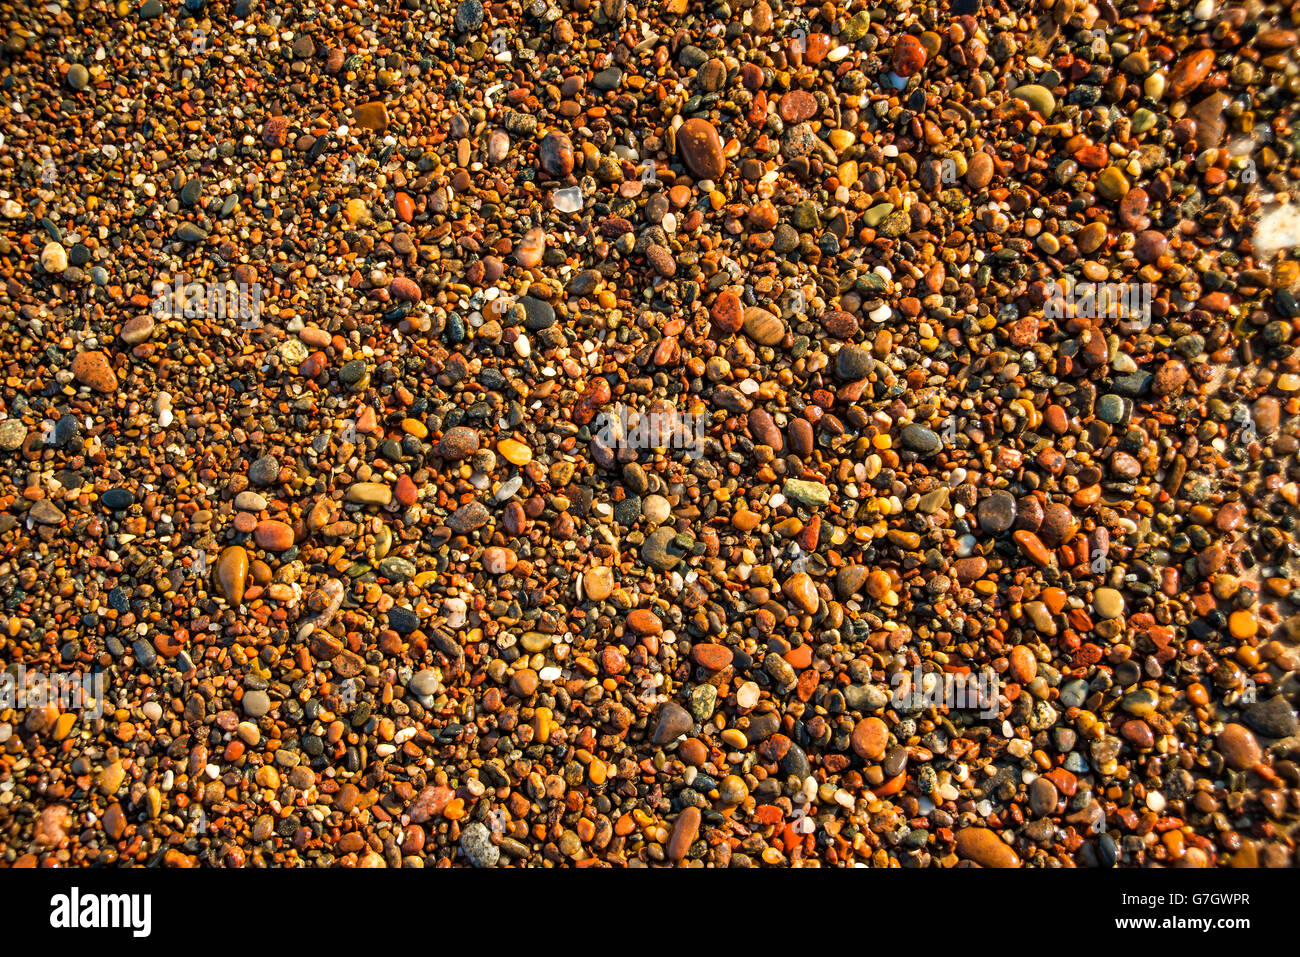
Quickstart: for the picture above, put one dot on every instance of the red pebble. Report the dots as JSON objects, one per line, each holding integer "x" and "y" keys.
{"x": 909, "y": 56}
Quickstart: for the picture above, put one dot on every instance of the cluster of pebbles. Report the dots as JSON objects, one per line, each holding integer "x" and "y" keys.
{"x": 370, "y": 581}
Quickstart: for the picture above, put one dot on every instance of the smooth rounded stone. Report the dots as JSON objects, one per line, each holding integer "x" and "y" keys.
{"x": 1043, "y": 797}
{"x": 264, "y": 470}
{"x": 685, "y": 830}
{"x": 979, "y": 170}
{"x": 801, "y": 590}
{"x": 54, "y": 258}
{"x": 256, "y": 703}
{"x": 402, "y": 289}
{"x": 515, "y": 452}
{"x": 672, "y": 722}
{"x": 1059, "y": 525}
{"x": 712, "y": 657}
{"x": 273, "y": 536}
{"x": 1150, "y": 245}
{"x": 921, "y": 440}
{"x": 12, "y": 434}
{"x": 1039, "y": 98}
{"x": 909, "y": 55}
{"x": 996, "y": 512}
{"x": 870, "y": 739}
{"x": 598, "y": 583}
{"x": 190, "y": 233}
{"x": 498, "y": 560}
{"x": 701, "y": 149}
{"x": 538, "y": 313}
{"x": 1239, "y": 748}
{"x": 369, "y": 493}
{"x": 853, "y": 362}
{"x": 231, "y": 573}
{"x": 476, "y": 843}
{"x": 655, "y": 550}
{"x": 655, "y": 509}
{"x": 556, "y": 154}
{"x": 1110, "y": 408}
{"x": 78, "y": 77}
{"x": 1112, "y": 184}
{"x": 93, "y": 369}
{"x": 727, "y": 313}
{"x": 137, "y": 330}
{"x": 732, "y": 790}
{"x": 1108, "y": 603}
{"x": 528, "y": 251}
{"x": 1272, "y": 717}
{"x": 1074, "y": 693}
{"x": 985, "y": 847}
{"x": 397, "y": 569}
{"x": 1189, "y": 72}
{"x": 426, "y": 682}
{"x": 763, "y": 327}
{"x": 403, "y": 620}
{"x": 459, "y": 442}
{"x": 249, "y": 501}
{"x": 1140, "y": 703}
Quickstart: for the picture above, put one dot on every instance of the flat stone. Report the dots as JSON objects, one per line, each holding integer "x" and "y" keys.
{"x": 371, "y": 116}
{"x": 984, "y": 847}
{"x": 805, "y": 492}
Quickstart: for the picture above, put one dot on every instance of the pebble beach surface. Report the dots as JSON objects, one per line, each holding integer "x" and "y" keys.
{"x": 313, "y": 321}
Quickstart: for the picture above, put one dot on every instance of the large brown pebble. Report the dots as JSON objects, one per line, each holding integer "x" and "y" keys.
{"x": 685, "y": 830}
{"x": 979, "y": 171}
{"x": 985, "y": 848}
{"x": 712, "y": 657}
{"x": 701, "y": 148}
{"x": 763, "y": 327}
{"x": 273, "y": 536}
{"x": 840, "y": 324}
{"x": 458, "y": 443}
{"x": 371, "y": 116}
{"x": 524, "y": 682}
{"x": 643, "y": 622}
{"x": 1189, "y": 72}
{"x": 556, "y": 153}
{"x": 232, "y": 573}
{"x": 93, "y": 369}
{"x": 1239, "y": 748}
{"x": 727, "y": 312}
{"x": 870, "y": 739}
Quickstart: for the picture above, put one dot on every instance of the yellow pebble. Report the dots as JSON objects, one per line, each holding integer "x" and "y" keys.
{"x": 516, "y": 453}
{"x": 1241, "y": 624}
